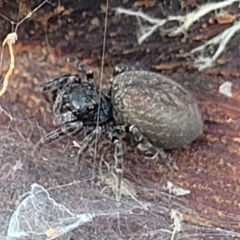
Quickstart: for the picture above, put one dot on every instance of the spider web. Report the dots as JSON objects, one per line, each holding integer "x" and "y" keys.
{"x": 48, "y": 196}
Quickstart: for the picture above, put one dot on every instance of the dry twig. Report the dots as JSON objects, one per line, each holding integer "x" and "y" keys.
{"x": 9, "y": 40}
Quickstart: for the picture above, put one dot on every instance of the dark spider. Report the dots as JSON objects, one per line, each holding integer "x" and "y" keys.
{"x": 77, "y": 103}
{"x": 160, "y": 113}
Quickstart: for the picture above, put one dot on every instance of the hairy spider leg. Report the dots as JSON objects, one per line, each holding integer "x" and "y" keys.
{"x": 82, "y": 67}
{"x": 144, "y": 145}
{"x": 118, "y": 156}
{"x": 56, "y": 84}
{"x": 68, "y": 128}
{"x": 90, "y": 138}
{"x": 58, "y": 103}
{"x": 63, "y": 118}
{"x": 120, "y": 68}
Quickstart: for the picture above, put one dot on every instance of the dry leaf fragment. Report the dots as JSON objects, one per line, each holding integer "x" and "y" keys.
{"x": 167, "y": 66}
{"x": 221, "y": 61}
{"x": 144, "y": 3}
{"x": 51, "y": 233}
{"x": 225, "y": 18}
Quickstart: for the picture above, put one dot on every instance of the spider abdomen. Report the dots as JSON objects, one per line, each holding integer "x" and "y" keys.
{"x": 164, "y": 112}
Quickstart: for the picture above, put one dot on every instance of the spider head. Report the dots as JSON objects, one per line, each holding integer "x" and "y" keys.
{"x": 83, "y": 97}
{"x": 87, "y": 102}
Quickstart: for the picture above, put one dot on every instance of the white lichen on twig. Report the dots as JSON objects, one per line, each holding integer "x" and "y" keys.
{"x": 185, "y": 21}
{"x": 221, "y": 40}
{"x": 176, "y": 190}
{"x": 194, "y": 16}
{"x": 177, "y": 218}
{"x": 154, "y": 24}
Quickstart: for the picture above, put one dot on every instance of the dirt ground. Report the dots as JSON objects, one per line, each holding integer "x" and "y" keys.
{"x": 209, "y": 168}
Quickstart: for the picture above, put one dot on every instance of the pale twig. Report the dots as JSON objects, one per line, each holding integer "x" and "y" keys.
{"x": 222, "y": 40}
{"x": 185, "y": 21}
{"x": 194, "y": 16}
{"x": 177, "y": 218}
{"x": 9, "y": 40}
{"x": 155, "y": 22}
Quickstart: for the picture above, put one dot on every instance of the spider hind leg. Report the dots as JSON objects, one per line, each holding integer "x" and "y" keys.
{"x": 146, "y": 147}
{"x": 118, "y": 156}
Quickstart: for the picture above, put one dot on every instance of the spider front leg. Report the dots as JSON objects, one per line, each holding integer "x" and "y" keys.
{"x": 56, "y": 84}
{"x": 118, "y": 156}
{"x": 68, "y": 128}
{"x": 63, "y": 118}
{"x": 145, "y": 146}
{"x": 88, "y": 140}
{"x": 82, "y": 67}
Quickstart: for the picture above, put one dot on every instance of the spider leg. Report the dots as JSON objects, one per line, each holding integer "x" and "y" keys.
{"x": 89, "y": 139}
{"x": 82, "y": 67}
{"x": 118, "y": 156}
{"x": 64, "y": 118}
{"x": 68, "y": 128}
{"x": 145, "y": 146}
{"x": 55, "y": 84}
{"x": 57, "y": 104}
{"x": 59, "y": 82}
{"x": 120, "y": 68}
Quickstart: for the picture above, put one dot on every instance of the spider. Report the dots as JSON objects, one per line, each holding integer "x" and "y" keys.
{"x": 76, "y": 103}
{"x": 158, "y": 112}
